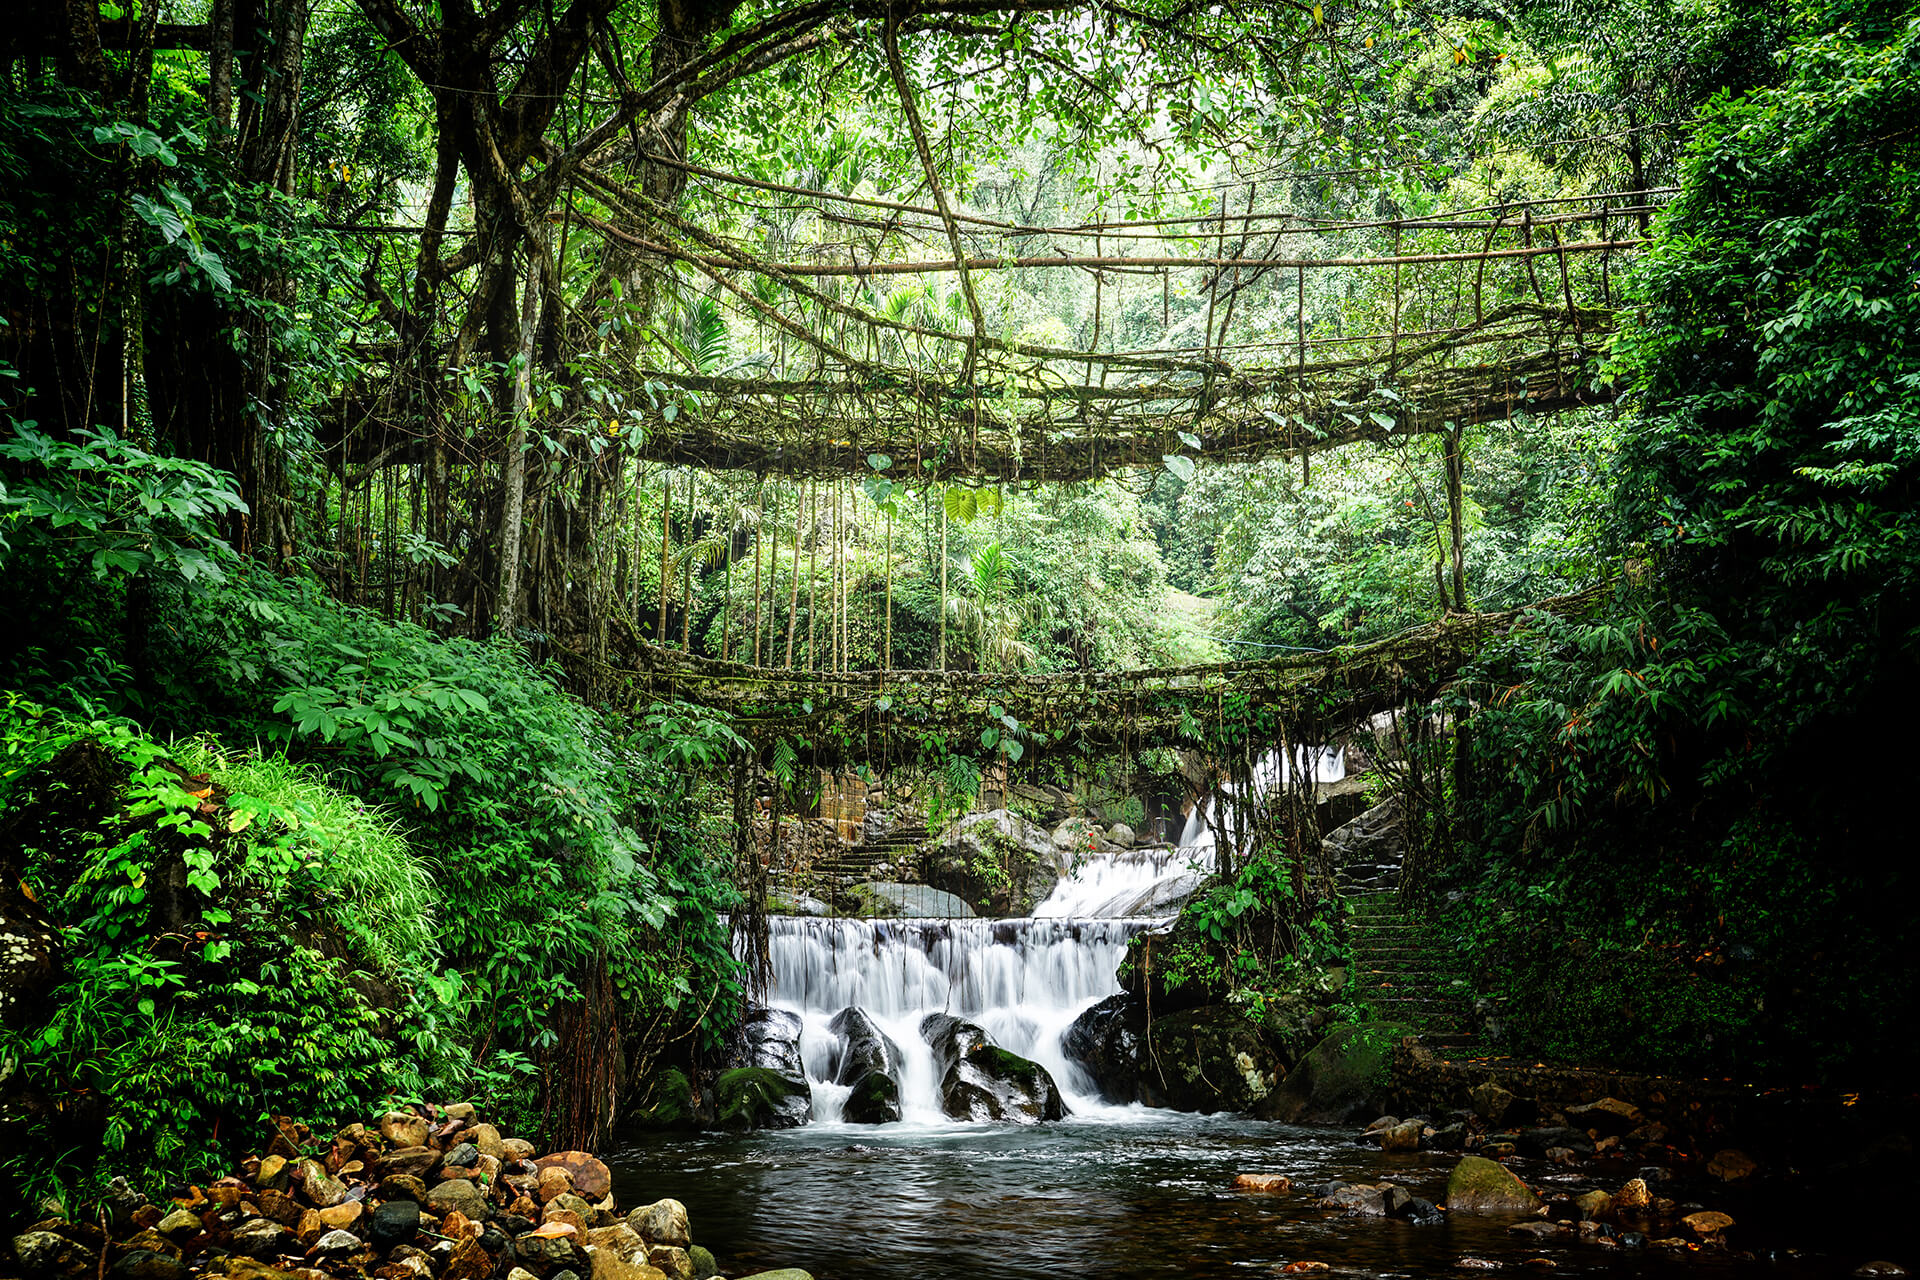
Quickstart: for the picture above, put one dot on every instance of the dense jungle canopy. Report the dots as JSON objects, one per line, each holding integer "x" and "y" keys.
{"x": 486, "y": 447}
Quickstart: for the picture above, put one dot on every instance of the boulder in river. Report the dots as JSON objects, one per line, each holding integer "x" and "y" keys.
{"x": 981, "y": 1081}
{"x": 1209, "y": 1059}
{"x": 869, "y": 1062}
{"x": 1342, "y": 1079}
{"x": 1108, "y": 1042}
{"x": 996, "y": 860}
{"x": 761, "y": 1098}
{"x": 1478, "y": 1185}
{"x": 765, "y": 1086}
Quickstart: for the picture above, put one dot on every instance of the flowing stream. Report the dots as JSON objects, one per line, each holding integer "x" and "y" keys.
{"x": 1110, "y": 1193}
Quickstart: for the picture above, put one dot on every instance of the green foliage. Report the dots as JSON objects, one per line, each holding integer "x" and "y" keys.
{"x": 107, "y": 503}
{"x": 225, "y": 962}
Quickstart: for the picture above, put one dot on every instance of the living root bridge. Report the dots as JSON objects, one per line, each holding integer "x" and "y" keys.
{"x": 870, "y": 716}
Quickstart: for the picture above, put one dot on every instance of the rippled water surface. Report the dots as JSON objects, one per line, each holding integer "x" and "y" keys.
{"x": 1130, "y": 1194}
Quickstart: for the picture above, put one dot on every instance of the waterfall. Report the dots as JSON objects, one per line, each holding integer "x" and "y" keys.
{"x": 1023, "y": 981}
{"x": 1328, "y": 764}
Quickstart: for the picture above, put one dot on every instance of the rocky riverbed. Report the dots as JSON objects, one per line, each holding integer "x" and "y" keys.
{"x": 427, "y": 1193}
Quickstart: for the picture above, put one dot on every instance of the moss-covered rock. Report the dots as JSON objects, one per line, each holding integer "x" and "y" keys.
{"x": 1478, "y": 1185}
{"x": 1342, "y": 1079}
{"x": 666, "y": 1101}
{"x": 981, "y": 1081}
{"x": 760, "y": 1098}
{"x": 1209, "y": 1059}
{"x": 702, "y": 1259}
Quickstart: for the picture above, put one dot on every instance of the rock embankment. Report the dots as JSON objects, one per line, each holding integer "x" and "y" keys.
{"x": 429, "y": 1193}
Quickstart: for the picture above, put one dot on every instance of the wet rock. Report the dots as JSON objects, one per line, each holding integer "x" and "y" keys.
{"x": 43, "y": 1253}
{"x": 1634, "y": 1197}
{"x": 469, "y": 1260}
{"x": 486, "y": 1139}
{"x": 1481, "y": 1186}
{"x": 590, "y": 1175}
{"x": 769, "y": 1038}
{"x": 552, "y": 1183}
{"x": 1732, "y": 1165}
{"x": 1451, "y": 1138}
{"x": 1608, "y": 1116}
{"x": 1342, "y": 1079}
{"x": 1593, "y": 1205}
{"x": 259, "y": 1238}
{"x": 516, "y": 1149}
{"x": 1880, "y": 1270}
{"x": 1265, "y": 1182}
{"x": 672, "y": 1260}
{"x": 1491, "y": 1102}
{"x": 1537, "y": 1142}
{"x": 274, "y": 1174}
{"x": 404, "y": 1129}
{"x": 146, "y": 1264}
{"x": 321, "y": 1188}
{"x": 662, "y": 1222}
{"x": 1423, "y": 1213}
{"x": 1108, "y": 1042}
{"x": 401, "y": 1186}
{"x": 179, "y": 1225}
{"x": 760, "y": 1098}
{"x": 395, "y": 1222}
{"x": 334, "y": 1244}
{"x": 543, "y": 1253}
{"x": 1355, "y": 1200}
{"x": 1210, "y": 1059}
{"x": 1539, "y": 1232}
{"x": 1707, "y": 1225}
{"x": 1122, "y": 835}
{"x": 996, "y": 860}
{"x": 462, "y": 1156}
{"x": 869, "y": 1062}
{"x": 458, "y": 1194}
{"x": 1402, "y": 1137}
{"x": 703, "y": 1263}
{"x": 981, "y": 1081}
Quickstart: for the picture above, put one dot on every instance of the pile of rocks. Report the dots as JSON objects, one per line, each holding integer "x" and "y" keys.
{"x": 431, "y": 1193}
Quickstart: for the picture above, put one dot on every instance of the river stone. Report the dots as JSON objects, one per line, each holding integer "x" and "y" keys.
{"x": 759, "y": 1098}
{"x": 44, "y": 1253}
{"x": 415, "y": 1162}
{"x": 273, "y": 1174}
{"x": 1732, "y": 1165}
{"x": 322, "y": 1189}
{"x": 1121, "y": 834}
{"x": 487, "y": 1139}
{"x": 458, "y": 1193}
{"x": 590, "y": 1177}
{"x": 179, "y": 1225}
{"x": 1490, "y": 1101}
{"x": 544, "y": 1253}
{"x": 1707, "y": 1225}
{"x": 342, "y": 1216}
{"x": 1477, "y": 1185}
{"x": 662, "y": 1222}
{"x": 401, "y": 1186}
{"x": 869, "y": 1063}
{"x": 769, "y": 1038}
{"x": 404, "y": 1129}
{"x": 259, "y": 1238}
{"x": 1607, "y": 1116}
{"x": 1402, "y": 1137}
{"x": 395, "y": 1222}
{"x": 1356, "y": 1200}
{"x": 516, "y": 1149}
{"x": 148, "y": 1264}
{"x": 703, "y": 1263}
{"x": 1342, "y": 1079}
{"x": 335, "y": 1243}
{"x": 1108, "y": 1042}
{"x": 1209, "y": 1059}
{"x": 995, "y": 859}
{"x": 672, "y": 1260}
{"x": 463, "y": 1156}
{"x": 982, "y": 1082}
{"x": 784, "y": 1273}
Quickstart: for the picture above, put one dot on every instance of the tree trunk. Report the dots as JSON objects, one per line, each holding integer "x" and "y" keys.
{"x": 516, "y": 460}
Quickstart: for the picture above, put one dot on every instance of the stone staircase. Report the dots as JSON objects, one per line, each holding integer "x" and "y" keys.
{"x": 854, "y": 863}
{"x": 1401, "y": 971}
{"x": 1402, "y": 974}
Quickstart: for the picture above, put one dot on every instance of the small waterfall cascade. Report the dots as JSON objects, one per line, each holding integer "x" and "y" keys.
{"x": 1023, "y": 981}
{"x": 1327, "y": 764}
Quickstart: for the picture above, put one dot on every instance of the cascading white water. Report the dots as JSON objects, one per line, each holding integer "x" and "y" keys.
{"x": 1022, "y": 981}
{"x": 1136, "y": 882}
{"x": 1328, "y": 764}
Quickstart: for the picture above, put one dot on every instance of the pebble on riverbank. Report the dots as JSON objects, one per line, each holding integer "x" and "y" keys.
{"x": 423, "y": 1194}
